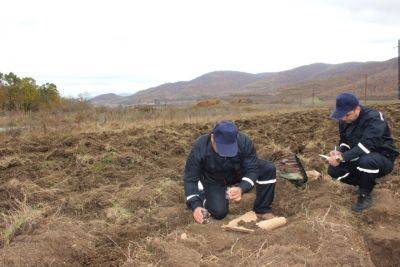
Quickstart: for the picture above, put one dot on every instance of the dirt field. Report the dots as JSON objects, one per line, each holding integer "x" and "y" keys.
{"x": 116, "y": 198}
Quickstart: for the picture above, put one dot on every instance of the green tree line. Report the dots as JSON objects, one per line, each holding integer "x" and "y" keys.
{"x": 23, "y": 94}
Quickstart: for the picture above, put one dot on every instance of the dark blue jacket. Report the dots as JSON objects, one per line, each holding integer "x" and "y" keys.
{"x": 205, "y": 165}
{"x": 369, "y": 133}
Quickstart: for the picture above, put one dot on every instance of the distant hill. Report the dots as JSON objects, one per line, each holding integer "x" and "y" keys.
{"x": 346, "y": 77}
{"x": 213, "y": 84}
{"x": 105, "y": 99}
{"x": 326, "y": 79}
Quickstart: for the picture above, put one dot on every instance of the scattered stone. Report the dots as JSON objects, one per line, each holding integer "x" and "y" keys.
{"x": 184, "y": 236}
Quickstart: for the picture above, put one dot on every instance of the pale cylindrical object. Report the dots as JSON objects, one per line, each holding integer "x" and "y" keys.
{"x": 272, "y": 223}
{"x": 313, "y": 175}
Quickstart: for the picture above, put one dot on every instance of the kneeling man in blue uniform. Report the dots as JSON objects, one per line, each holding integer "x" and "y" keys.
{"x": 366, "y": 148}
{"x": 226, "y": 165}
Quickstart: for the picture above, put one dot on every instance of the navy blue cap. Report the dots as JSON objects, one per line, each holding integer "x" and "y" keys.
{"x": 225, "y": 136}
{"x": 345, "y": 103}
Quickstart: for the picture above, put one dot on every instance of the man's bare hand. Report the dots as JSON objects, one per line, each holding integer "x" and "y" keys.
{"x": 235, "y": 193}
{"x": 334, "y": 153}
{"x": 333, "y": 161}
{"x": 198, "y": 214}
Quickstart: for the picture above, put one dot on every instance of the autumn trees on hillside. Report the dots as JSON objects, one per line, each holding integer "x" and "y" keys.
{"x": 25, "y": 95}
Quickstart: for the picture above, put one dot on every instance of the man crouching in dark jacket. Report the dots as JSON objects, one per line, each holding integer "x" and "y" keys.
{"x": 366, "y": 148}
{"x": 224, "y": 163}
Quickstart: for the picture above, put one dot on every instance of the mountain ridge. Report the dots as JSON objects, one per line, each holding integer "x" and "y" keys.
{"x": 321, "y": 76}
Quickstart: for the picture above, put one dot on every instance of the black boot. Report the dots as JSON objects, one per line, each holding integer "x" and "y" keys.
{"x": 364, "y": 201}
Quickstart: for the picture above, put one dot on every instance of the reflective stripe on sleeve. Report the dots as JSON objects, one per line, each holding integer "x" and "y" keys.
{"x": 345, "y": 145}
{"x": 381, "y": 116}
{"x": 200, "y": 186}
{"x": 192, "y": 196}
{"x": 342, "y": 177}
{"x": 248, "y": 180}
{"x": 364, "y": 148}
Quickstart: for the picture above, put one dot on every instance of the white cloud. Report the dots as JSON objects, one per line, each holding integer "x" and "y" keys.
{"x": 124, "y": 46}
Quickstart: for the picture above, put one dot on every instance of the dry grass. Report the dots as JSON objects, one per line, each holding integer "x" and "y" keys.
{"x": 128, "y": 254}
{"x": 95, "y": 119}
{"x": 21, "y": 218}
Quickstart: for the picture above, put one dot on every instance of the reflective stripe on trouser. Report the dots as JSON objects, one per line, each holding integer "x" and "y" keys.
{"x": 364, "y": 171}
{"x": 370, "y": 167}
{"x": 345, "y": 172}
{"x": 265, "y": 186}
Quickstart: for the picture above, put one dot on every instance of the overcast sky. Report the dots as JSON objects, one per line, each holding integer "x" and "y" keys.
{"x": 125, "y": 46}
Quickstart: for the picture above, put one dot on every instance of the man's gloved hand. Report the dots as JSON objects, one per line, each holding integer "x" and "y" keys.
{"x": 235, "y": 193}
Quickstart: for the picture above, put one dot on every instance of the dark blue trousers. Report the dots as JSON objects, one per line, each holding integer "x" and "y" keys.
{"x": 215, "y": 194}
{"x": 362, "y": 172}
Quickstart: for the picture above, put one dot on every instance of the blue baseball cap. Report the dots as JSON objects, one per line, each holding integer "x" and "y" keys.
{"x": 345, "y": 103}
{"x": 225, "y": 136}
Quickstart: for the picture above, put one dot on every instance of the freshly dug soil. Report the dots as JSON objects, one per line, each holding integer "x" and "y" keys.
{"x": 116, "y": 198}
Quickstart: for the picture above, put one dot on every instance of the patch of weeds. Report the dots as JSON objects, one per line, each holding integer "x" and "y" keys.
{"x": 50, "y": 165}
{"x": 109, "y": 158}
{"x": 46, "y": 165}
{"x": 21, "y": 218}
{"x": 163, "y": 193}
{"x": 138, "y": 158}
{"x": 109, "y": 148}
{"x": 117, "y": 212}
{"x": 84, "y": 159}
{"x": 105, "y": 161}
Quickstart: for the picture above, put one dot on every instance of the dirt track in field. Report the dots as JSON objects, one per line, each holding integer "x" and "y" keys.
{"x": 116, "y": 198}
